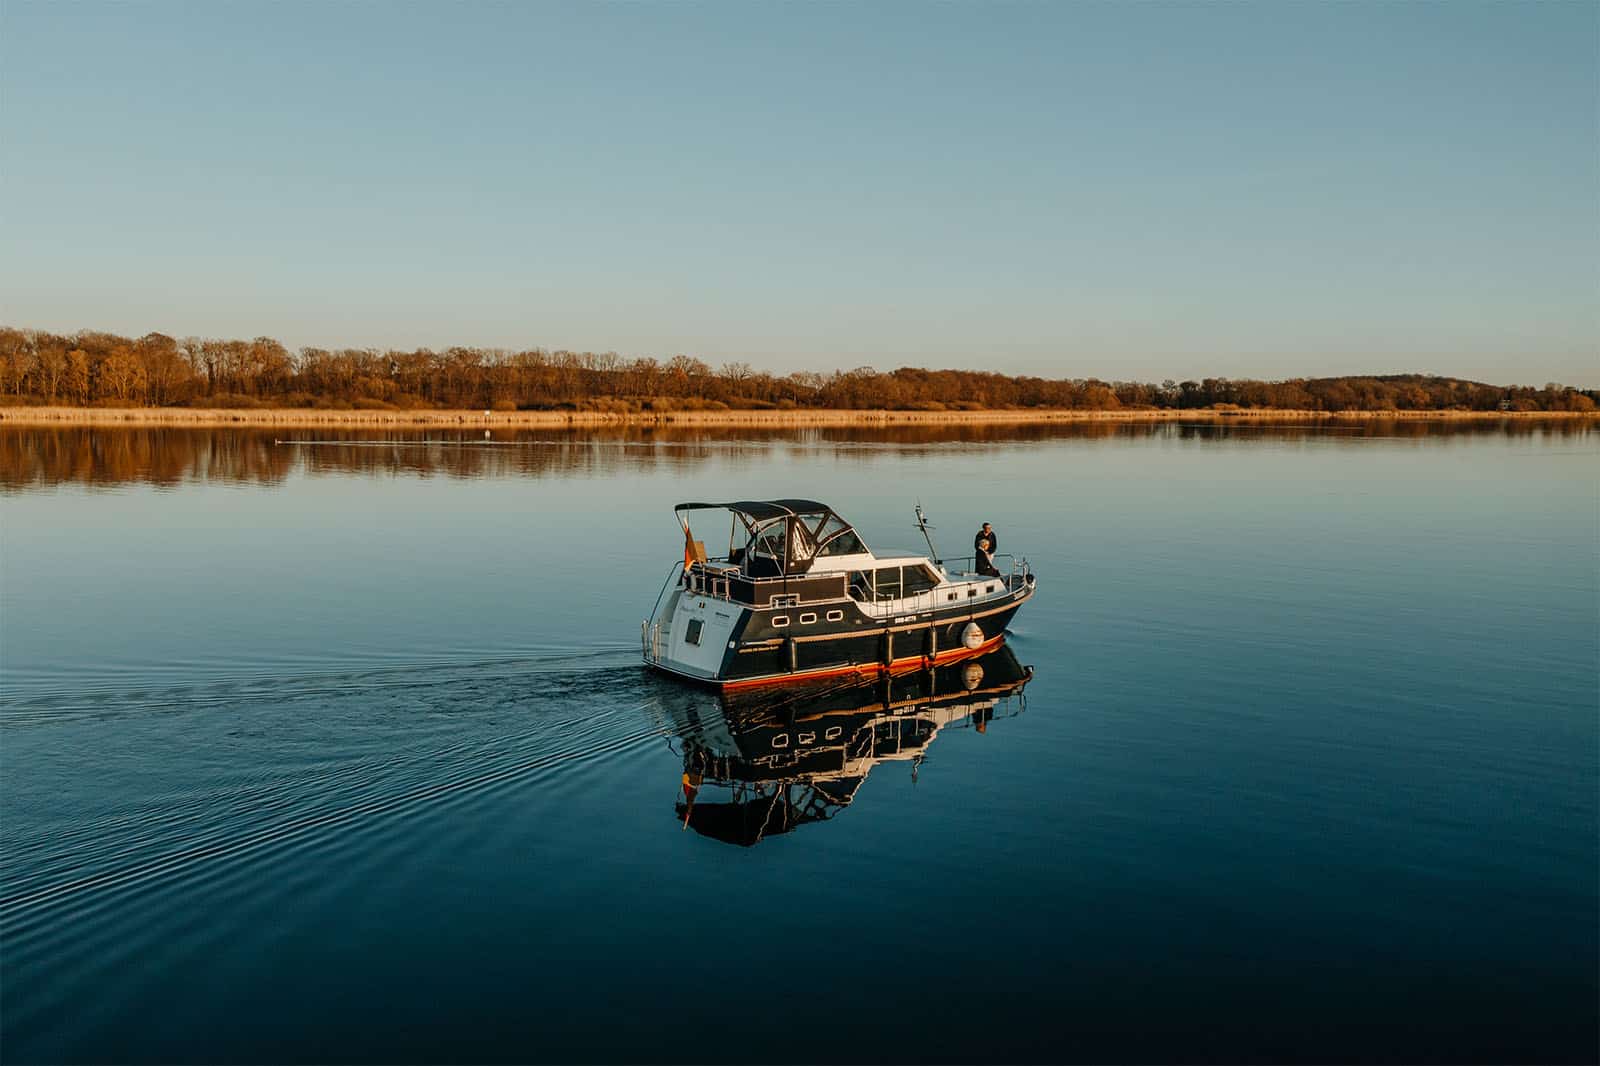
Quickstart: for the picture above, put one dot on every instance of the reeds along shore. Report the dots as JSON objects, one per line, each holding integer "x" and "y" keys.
{"x": 305, "y": 417}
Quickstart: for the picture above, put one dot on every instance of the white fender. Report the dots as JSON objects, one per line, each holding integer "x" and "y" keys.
{"x": 972, "y": 636}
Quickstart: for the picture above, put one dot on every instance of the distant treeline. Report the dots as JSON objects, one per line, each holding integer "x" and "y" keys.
{"x": 103, "y": 369}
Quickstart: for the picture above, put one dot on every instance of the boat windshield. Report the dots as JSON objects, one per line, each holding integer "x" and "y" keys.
{"x": 830, "y": 525}
{"x": 783, "y": 541}
{"x": 770, "y": 539}
{"x": 836, "y": 537}
{"x": 785, "y": 536}
{"x": 846, "y": 543}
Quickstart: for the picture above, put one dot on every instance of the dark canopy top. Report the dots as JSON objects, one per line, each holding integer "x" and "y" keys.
{"x": 785, "y": 535}
{"x": 760, "y": 510}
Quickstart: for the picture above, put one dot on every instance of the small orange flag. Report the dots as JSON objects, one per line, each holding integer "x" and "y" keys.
{"x": 688, "y": 548}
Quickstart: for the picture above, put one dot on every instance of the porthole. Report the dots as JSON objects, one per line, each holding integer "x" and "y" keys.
{"x": 781, "y": 740}
{"x": 779, "y": 621}
{"x": 806, "y": 738}
{"x": 836, "y": 616}
{"x": 833, "y": 733}
{"x": 807, "y": 618}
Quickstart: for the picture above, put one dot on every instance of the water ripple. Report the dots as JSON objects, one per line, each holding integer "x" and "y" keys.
{"x": 288, "y": 829}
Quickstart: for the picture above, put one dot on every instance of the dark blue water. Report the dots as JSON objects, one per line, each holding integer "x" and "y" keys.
{"x": 343, "y": 754}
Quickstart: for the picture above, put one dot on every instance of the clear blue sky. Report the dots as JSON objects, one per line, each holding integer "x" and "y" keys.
{"x": 1126, "y": 190}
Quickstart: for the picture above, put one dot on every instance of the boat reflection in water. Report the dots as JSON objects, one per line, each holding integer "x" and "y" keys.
{"x": 763, "y": 763}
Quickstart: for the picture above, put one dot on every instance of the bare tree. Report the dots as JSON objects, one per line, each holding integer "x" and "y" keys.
{"x": 52, "y": 362}
{"x": 79, "y": 379}
{"x": 122, "y": 374}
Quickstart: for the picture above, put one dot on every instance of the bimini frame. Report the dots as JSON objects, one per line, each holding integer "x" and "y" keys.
{"x": 757, "y": 515}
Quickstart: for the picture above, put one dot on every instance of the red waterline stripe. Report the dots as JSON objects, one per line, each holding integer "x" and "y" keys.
{"x": 899, "y": 666}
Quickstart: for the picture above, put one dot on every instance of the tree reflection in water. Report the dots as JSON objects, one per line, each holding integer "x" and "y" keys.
{"x": 32, "y": 457}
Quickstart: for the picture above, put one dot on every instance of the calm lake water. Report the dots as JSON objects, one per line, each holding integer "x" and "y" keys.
{"x": 343, "y": 752}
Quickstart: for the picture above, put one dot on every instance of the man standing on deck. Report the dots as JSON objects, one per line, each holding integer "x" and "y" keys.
{"x": 984, "y": 545}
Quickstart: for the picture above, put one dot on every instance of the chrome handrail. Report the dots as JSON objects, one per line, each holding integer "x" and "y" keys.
{"x": 703, "y": 581}
{"x": 971, "y": 561}
{"x": 649, "y": 631}
{"x": 1015, "y": 567}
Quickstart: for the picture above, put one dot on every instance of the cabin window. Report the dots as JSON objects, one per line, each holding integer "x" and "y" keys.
{"x": 988, "y": 588}
{"x": 836, "y": 616}
{"x": 886, "y": 583}
{"x": 915, "y": 579}
{"x": 807, "y": 618}
{"x": 693, "y": 634}
{"x": 860, "y": 587}
{"x": 779, "y": 621}
{"x": 971, "y": 593}
{"x": 950, "y": 595}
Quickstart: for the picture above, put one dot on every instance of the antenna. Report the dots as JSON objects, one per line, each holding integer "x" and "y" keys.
{"x": 922, "y": 524}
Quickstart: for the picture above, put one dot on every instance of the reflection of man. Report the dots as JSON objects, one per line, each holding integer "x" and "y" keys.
{"x": 984, "y": 545}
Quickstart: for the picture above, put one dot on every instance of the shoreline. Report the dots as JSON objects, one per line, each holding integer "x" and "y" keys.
{"x": 198, "y": 417}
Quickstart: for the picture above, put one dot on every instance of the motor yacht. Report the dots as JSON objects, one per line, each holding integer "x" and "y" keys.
{"x": 798, "y": 595}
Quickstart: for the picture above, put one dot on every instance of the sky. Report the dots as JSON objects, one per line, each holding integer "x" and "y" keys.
{"x": 1122, "y": 190}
